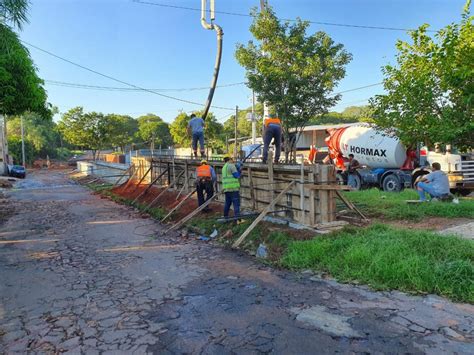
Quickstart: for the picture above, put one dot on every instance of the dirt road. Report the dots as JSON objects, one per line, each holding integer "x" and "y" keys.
{"x": 83, "y": 274}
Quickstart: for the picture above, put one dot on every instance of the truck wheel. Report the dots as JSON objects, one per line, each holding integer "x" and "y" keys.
{"x": 391, "y": 183}
{"x": 357, "y": 182}
{"x": 462, "y": 192}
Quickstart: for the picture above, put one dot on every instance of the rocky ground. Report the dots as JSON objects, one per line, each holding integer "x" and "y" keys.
{"x": 81, "y": 274}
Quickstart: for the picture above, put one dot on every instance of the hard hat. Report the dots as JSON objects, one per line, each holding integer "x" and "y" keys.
{"x": 204, "y": 161}
{"x": 228, "y": 156}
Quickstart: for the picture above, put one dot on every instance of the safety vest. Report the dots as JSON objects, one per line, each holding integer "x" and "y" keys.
{"x": 203, "y": 171}
{"x": 272, "y": 120}
{"x": 229, "y": 182}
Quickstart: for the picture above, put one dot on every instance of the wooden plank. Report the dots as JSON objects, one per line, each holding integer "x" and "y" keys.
{"x": 130, "y": 179}
{"x": 351, "y": 205}
{"x": 332, "y": 208}
{"x": 271, "y": 189}
{"x": 149, "y": 187}
{"x": 330, "y": 187}
{"x": 174, "y": 170}
{"x": 193, "y": 213}
{"x": 262, "y": 215}
{"x": 187, "y": 197}
{"x": 323, "y": 194}
{"x": 162, "y": 192}
{"x": 143, "y": 178}
{"x": 124, "y": 174}
{"x": 186, "y": 176}
{"x": 302, "y": 191}
{"x": 312, "y": 202}
{"x": 252, "y": 189}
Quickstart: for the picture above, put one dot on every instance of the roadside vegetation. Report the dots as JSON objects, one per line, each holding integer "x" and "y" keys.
{"x": 393, "y": 205}
{"x": 390, "y": 258}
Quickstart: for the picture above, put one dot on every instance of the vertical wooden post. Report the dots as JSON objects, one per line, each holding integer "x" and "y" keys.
{"x": 174, "y": 173}
{"x": 252, "y": 189}
{"x": 312, "y": 202}
{"x": 235, "y": 131}
{"x": 271, "y": 187}
{"x": 323, "y": 194}
{"x": 332, "y": 194}
{"x": 186, "y": 176}
{"x": 302, "y": 208}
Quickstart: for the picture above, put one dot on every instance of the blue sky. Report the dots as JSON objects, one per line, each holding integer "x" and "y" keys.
{"x": 166, "y": 48}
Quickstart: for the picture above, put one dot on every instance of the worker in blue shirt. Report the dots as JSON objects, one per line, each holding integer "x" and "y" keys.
{"x": 196, "y": 130}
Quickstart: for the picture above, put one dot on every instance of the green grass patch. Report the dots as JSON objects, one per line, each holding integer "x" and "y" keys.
{"x": 393, "y": 205}
{"x": 390, "y": 258}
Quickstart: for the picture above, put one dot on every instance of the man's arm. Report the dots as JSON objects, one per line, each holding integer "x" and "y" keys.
{"x": 213, "y": 175}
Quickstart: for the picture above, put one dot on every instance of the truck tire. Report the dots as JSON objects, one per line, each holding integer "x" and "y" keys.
{"x": 462, "y": 192}
{"x": 391, "y": 183}
{"x": 358, "y": 182}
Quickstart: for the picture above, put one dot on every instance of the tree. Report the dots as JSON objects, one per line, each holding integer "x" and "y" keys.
{"x": 153, "y": 129}
{"x": 40, "y": 132}
{"x": 291, "y": 71}
{"x": 213, "y": 130}
{"x": 122, "y": 130}
{"x": 14, "y": 11}
{"x": 430, "y": 91}
{"x": 87, "y": 130}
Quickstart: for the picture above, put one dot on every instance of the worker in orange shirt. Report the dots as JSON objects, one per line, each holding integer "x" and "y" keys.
{"x": 271, "y": 130}
{"x": 205, "y": 179}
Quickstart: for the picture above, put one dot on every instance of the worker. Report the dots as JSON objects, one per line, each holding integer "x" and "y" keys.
{"x": 271, "y": 130}
{"x": 231, "y": 185}
{"x": 436, "y": 184}
{"x": 352, "y": 172}
{"x": 196, "y": 130}
{"x": 205, "y": 179}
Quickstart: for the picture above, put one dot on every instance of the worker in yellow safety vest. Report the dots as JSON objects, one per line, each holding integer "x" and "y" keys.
{"x": 205, "y": 179}
{"x": 271, "y": 130}
{"x": 231, "y": 185}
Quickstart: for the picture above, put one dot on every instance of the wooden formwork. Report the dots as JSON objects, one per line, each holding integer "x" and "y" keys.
{"x": 310, "y": 201}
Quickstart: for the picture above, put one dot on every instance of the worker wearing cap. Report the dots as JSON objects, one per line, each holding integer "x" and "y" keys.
{"x": 271, "y": 130}
{"x": 196, "y": 130}
{"x": 205, "y": 179}
{"x": 231, "y": 186}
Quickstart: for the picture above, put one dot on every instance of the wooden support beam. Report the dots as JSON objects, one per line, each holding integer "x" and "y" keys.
{"x": 351, "y": 206}
{"x": 162, "y": 192}
{"x": 262, "y": 215}
{"x": 312, "y": 202}
{"x": 252, "y": 189}
{"x": 187, "y": 197}
{"x": 193, "y": 213}
{"x": 149, "y": 187}
{"x": 124, "y": 174}
{"x": 323, "y": 202}
{"x": 271, "y": 180}
{"x": 303, "y": 214}
{"x": 186, "y": 176}
{"x": 130, "y": 179}
{"x": 330, "y": 187}
{"x": 143, "y": 178}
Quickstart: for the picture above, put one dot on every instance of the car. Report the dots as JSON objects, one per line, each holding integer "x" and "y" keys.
{"x": 18, "y": 171}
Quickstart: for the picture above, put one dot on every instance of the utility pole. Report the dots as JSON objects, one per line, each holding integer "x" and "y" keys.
{"x": 235, "y": 131}
{"x": 254, "y": 120}
{"x": 22, "y": 142}
{"x": 263, "y": 5}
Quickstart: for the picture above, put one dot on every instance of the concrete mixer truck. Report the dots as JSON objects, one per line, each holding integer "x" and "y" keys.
{"x": 387, "y": 164}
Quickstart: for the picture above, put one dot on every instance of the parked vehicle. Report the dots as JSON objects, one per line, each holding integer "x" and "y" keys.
{"x": 17, "y": 171}
{"x": 387, "y": 164}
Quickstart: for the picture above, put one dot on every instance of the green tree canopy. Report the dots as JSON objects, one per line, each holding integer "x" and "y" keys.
{"x": 20, "y": 87}
{"x": 14, "y": 11}
{"x": 213, "y": 130}
{"x": 290, "y": 70}
{"x": 430, "y": 91}
{"x": 41, "y": 132}
{"x": 152, "y": 129}
{"x": 122, "y": 130}
{"x": 87, "y": 130}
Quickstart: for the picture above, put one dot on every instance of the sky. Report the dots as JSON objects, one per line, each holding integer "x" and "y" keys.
{"x": 160, "y": 47}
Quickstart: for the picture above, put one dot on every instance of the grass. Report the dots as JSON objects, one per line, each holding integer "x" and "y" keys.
{"x": 393, "y": 206}
{"x": 390, "y": 258}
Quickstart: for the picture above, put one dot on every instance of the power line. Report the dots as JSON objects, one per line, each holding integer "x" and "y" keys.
{"x": 284, "y": 19}
{"x": 118, "y": 80}
{"x": 112, "y": 88}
